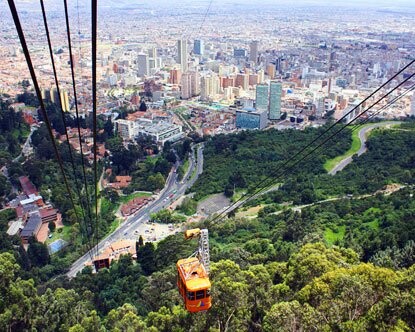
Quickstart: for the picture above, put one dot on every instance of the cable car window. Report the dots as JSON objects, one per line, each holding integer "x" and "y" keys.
{"x": 200, "y": 294}
{"x": 191, "y": 295}
{"x": 208, "y": 292}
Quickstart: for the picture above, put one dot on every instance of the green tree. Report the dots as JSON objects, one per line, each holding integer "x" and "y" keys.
{"x": 146, "y": 258}
{"x": 51, "y": 226}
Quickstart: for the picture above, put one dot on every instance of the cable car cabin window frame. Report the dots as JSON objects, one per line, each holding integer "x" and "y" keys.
{"x": 207, "y": 292}
{"x": 191, "y": 295}
{"x": 200, "y": 294}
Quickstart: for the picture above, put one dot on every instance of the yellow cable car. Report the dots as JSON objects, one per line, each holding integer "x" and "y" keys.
{"x": 193, "y": 275}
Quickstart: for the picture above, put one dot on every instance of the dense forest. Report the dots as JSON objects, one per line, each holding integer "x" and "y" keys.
{"x": 299, "y": 264}
{"x": 242, "y": 160}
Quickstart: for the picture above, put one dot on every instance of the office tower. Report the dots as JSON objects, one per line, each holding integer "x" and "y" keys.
{"x": 275, "y": 100}
{"x": 153, "y": 61}
{"x": 242, "y": 80}
{"x": 253, "y": 79}
{"x": 271, "y": 71}
{"x": 175, "y": 76}
{"x": 152, "y": 52}
{"x": 253, "y": 51}
{"x": 249, "y": 118}
{"x": 261, "y": 97}
{"x": 142, "y": 65}
{"x": 195, "y": 80}
{"x": 52, "y": 96}
{"x": 413, "y": 105}
{"x": 227, "y": 82}
{"x": 182, "y": 54}
{"x": 198, "y": 47}
{"x": 261, "y": 76}
{"x": 186, "y": 86}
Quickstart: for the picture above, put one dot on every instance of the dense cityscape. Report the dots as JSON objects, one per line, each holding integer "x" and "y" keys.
{"x": 198, "y": 104}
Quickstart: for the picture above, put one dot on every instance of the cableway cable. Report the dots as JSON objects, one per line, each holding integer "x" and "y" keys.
{"x": 39, "y": 96}
{"x": 94, "y": 108}
{"x": 71, "y": 60}
{"x": 75, "y": 178}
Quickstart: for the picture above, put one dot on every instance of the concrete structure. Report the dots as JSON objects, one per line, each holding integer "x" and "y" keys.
{"x": 249, "y": 118}
{"x": 195, "y": 80}
{"x": 126, "y": 129}
{"x": 239, "y": 53}
{"x": 209, "y": 87}
{"x": 175, "y": 76}
{"x": 198, "y": 47}
{"x": 182, "y": 54}
{"x": 161, "y": 132}
{"x": 253, "y": 51}
{"x": 413, "y": 105}
{"x": 186, "y": 86}
{"x": 31, "y": 228}
{"x": 242, "y": 81}
{"x": 113, "y": 252}
{"x": 143, "y": 66}
{"x": 52, "y": 96}
{"x": 261, "y": 97}
{"x": 275, "y": 91}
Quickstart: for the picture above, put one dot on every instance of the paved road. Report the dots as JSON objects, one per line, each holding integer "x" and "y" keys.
{"x": 172, "y": 191}
{"x": 363, "y": 148}
{"x": 26, "y": 148}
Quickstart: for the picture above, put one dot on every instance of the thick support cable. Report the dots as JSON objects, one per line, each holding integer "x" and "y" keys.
{"x": 39, "y": 96}
{"x": 45, "y": 21}
{"x": 94, "y": 107}
{"x": 77, "y": 113}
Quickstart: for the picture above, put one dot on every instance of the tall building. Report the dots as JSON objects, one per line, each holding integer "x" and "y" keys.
{"x": 53, "y": 97}
{"x": 153, "y": 60}
{"x": 198, "y": 47}
{"x": 175, "y": 76}
{"x": 275, "y": 100}
{"x": 209, "y": 86}
{"x": 227, "y": 82}
{"x": 242, "y": 80}
{"x": 253, "y": 79}
{"x": 182, "y": 54}
{"x": 142, "y": 64}
{"x": 186, "y": 85}
{"x": 413, "y": 105}
{"x": 253, "y": 51}
{"x": 195, "y": 80}
{"x": 271, "y": 70}
{"x": 261, "y": 97}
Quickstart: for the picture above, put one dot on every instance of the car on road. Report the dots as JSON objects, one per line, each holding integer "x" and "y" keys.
{"x": 126, "y": 233}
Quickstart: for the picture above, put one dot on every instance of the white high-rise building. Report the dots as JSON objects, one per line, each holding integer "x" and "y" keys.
{"x": 182, "y": 54}
{"x": 209, "y": 86}
{"x": 413, "y": 105}
{"x": 142, "y": 64}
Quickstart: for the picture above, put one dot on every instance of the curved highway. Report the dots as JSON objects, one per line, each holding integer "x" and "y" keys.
{"x": 172, "y": 190}
{"x": 363, "y": 148}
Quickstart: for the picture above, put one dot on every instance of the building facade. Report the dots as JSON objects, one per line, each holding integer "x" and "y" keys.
{"x": 249, "y": 118}
{"x": 275, "y": 91}
{"x": 198, "y": 47}
{"x": 182, "y": 54}
{"x": 261, "y": 97}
